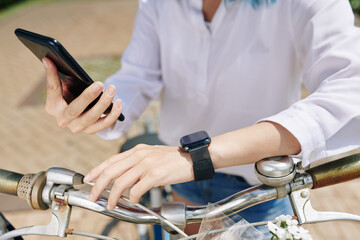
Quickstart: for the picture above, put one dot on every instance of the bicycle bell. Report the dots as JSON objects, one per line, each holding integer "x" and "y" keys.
{"x": 275, "y": 171}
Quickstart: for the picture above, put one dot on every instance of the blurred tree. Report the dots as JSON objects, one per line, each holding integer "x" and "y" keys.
{"x": 6, "y": 3}
{"x": 355, "y": 4}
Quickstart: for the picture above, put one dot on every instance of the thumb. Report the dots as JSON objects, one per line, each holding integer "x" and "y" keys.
{"x": 53, "y": 86}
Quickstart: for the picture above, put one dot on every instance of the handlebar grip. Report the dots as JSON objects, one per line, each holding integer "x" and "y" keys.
{"x": 28, "y": 187}
{"x": 341, "y": 170}
{"x": 9, "y": 182}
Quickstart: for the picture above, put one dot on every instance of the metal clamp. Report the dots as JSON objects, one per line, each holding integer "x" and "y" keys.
{"x": 175, "y": 212}
{"x": 59, "y": 176}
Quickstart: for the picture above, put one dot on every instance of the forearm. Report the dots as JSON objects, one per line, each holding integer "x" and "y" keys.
{"x": 251, "y": 144}
{"x": 144, "y": 166}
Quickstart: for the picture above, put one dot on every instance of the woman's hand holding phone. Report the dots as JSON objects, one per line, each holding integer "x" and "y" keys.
{"x": 72, "y": 115}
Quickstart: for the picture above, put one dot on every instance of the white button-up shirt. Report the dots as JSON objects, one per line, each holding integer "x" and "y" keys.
{"x": 247, "y": 65}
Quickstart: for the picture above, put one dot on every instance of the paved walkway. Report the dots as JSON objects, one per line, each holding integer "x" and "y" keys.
{"x": 31, "y": 141}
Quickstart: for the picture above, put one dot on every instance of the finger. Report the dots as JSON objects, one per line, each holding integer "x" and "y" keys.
{"x": 96, "y": 171}
{"x": 91, "y": 116}
{"x": 53, "y": 86}
{"x": 103, "y": 181}
{"x": 125, "y": 181}
{"x": 99, "y": 108}
{"x": 140, "y": 188}
{"x": 106, "y": 122}
{"x": 79, "y": 104}
{"x": 108, "y": 174}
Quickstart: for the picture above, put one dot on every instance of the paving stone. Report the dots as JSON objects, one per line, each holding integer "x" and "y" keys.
{"x": 31, "y": 141}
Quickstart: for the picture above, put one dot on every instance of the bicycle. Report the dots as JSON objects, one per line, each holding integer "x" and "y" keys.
{"x": 57, "y": 189}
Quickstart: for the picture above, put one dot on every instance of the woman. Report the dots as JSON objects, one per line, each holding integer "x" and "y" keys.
{"x": 234, "y": 69}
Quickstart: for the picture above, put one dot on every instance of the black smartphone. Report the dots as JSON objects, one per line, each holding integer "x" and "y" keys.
{"x": 74, "y": 79}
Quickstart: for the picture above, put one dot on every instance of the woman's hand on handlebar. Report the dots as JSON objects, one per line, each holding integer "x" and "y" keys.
{"x": 141, "y": 168}
{"x": 71, "y": 115}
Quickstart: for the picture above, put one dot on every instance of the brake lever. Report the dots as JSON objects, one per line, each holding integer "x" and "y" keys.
{"x": 305, "y": 213}
{"x": 281, "y": 172}
{"x": 55, "y": 197}
{"x": 60, "y": 218}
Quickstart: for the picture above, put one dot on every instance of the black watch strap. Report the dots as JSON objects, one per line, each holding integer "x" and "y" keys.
{"x": 202, "y": 164}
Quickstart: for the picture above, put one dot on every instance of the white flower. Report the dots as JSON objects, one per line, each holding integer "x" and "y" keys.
{"x": 283, "y": 218}
{"x": 292, "y": 222}
{"x": 288, "y": 236}
{"x": 278, "y": 231}
{"x": 299, "y": 233}
{"x": 286, "y": 228}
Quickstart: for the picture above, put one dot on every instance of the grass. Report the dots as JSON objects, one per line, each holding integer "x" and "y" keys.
{"x": 4, "y": 13}
{"x": 20, "y": 6}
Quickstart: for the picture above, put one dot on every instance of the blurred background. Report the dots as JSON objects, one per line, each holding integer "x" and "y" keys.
{"x": 96, "y": 33}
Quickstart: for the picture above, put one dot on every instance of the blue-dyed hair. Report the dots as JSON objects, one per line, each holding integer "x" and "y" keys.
{"x": 255, "y": 3}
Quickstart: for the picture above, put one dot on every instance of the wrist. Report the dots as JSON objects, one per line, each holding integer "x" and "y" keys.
{"x": 216, "y": 152}
{"x": 197, "y": 145}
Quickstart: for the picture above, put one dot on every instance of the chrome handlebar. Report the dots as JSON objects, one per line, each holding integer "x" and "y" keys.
{"x": 181, "y": 214}
{"x": 233, "y": 204}
{"x": 58, "y": 192}
{"x": 122, "y": 212}
{"x": 228, "y": 206}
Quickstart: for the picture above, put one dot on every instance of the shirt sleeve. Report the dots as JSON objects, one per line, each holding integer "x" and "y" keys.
{"x": 328, "y": 121}
{"x": 139, "y": 79}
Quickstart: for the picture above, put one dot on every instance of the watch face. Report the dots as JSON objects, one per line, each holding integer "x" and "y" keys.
{"x": 194, "y": 140}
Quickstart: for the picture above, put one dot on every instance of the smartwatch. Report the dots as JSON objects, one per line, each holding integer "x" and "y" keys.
{"x": 197, "y": 145}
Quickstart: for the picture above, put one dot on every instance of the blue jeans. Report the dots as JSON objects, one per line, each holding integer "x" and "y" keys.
{"x": 222, "y": 186}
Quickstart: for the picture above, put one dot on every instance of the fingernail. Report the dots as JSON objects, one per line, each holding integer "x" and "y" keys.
{"x": 87, "y": 178}
{"x": 118, "y": 103}
{"x": 45, "y": 63}
{"x": 96, "y": 87}
{"x": 110, "y": 90}
{"x": 109, "y": 207}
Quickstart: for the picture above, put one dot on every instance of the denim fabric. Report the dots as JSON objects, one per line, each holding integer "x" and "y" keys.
{"x": 222, "y": 186}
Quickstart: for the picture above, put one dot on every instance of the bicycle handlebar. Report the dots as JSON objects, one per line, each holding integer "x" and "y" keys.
{"x": 227, "y": 206}
{"x": 122, "y": 212}
{"x": 341, "y": 170}
{"x": 9, "y": 182}
{"x": 74, "y": 197}
{"x": 232, "y": 204}
{"x": 27, "y": 187}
